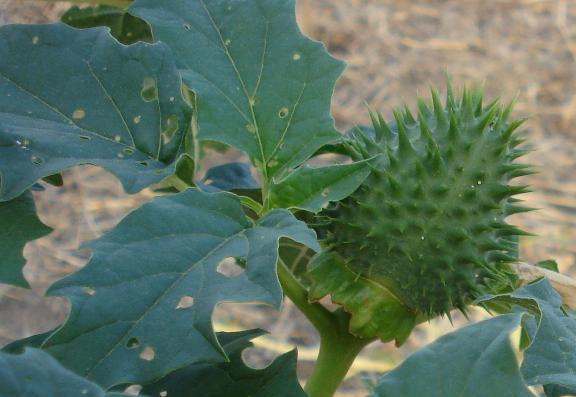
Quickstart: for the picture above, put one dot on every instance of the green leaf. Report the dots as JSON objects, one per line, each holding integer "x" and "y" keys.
{"x": 142, "y": 306}
{"x": 266, "y": 88}
{"x": 475, "y": 361}
{"x": 35, "y": 374}
{"x": 73, "y": 97}
{"x": 551, "y": 357}
{"x": 232, "y": 379}
{"x": 35, "y": 341}
{"x": 229, "y": 177}
{"x": 125, "y": 27}
{"x": 312, "y": 188}
{"x": 20, "y": 224}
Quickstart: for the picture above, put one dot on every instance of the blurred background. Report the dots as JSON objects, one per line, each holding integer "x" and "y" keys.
{"x": 395, "y": 50}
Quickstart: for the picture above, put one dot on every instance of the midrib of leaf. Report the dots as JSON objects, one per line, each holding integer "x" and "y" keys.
{"x": 159, "y": 299}
{"x": 478, "y": 360}
{"x": 244, "y": 89}
{"x": 281, "y": 140}
{"x": 107, "y": 94}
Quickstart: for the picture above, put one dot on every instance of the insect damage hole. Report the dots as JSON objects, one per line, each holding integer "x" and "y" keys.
{"x": 35, "y": 40}
{"x": 170, "y": 128}
{"x": 133, "y": 390}
{"x": 185, "y": 302}
{"x": 229, "y": 267}
{"x": 163, "y": 393}
{"x": 148, "y": 353}
{"x": 132, "y": 343}
{"x": 78, "y": 114}
{"x": 149, "y": 89}
{"x": 296, "y": 56}
{"x": 89, "y": 290}
{"x": 282, "y": 113}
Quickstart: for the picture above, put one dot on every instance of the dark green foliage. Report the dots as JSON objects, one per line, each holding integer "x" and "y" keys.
{"x": 234, "y": 378}
{"x": 35, "y": 373}
{"x": 20, "y": 224}
{"x": 429, "y": 223}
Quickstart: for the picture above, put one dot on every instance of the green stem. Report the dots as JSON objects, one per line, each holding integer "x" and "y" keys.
{"x": 338, "y": 348}
{"x": 177, "y": 183}
{"x": 317, "y": 314}
{"x": 338, "y": 351}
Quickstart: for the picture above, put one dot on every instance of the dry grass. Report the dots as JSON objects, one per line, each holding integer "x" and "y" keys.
{"x": 394, "y": 50}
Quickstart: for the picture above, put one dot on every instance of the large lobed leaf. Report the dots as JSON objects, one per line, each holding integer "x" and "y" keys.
{"x": 475, "y": 361}
{"x": 73, "y": 96}
{"x": 261, "y": 85}
{"x": 20, "y": 224}
{"x": 35, "y": 374}
{"x": 142, "y": 306}
{"x": 478, "y": 360}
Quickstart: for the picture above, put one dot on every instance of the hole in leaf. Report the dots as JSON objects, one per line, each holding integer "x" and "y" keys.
{"x": 149, "y": 89}
{"x": 296, "y": 56}
{"x": 170, "y": 128}
{"x": 128, "y": 151}
{"x": 133, "y": 390}
{"x": 132, "y": 343}
{"x": 36, "y": 160}
{"x": 148, "y": 353}
{"x": 35, "y": 40}
{"x": 229, "y": 267}
{"x": 158, "y": 171}
{"x": 117, "y": 138}
{"x": 251, "y": 128}
{"x": 144, "y": 163}
{"x": 187, "y": 26}
{"x": 325, "y": 192}
{"x": 257, "y": 358}
{"x": 89, "y": 290}
{"x": 227, "y": 42}
{"x": 185, "y": 302}
{"x": 85, "y": 137}
{"x": 78, "y": 114}
{"x": 163, "y": 393}
{"x": 283, "y": 112}
{"x": 137, "y": 119}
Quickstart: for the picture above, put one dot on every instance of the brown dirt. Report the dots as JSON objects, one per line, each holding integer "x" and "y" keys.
{"x": 395, "y": 50}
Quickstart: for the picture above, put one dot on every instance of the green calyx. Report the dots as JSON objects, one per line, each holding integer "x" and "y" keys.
{"x": 427, "y": 227}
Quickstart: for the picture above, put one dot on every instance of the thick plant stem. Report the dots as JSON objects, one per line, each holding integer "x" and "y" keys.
{"x": 338, "y": 350}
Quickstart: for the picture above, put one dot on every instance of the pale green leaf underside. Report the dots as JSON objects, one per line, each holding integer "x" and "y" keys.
{"x": 70, "y": 96}
{"x": 261, "y": 85}
{"x": 152, "y": 284}
{"x": 312, "y": 188}
{"x": 232, "y": 379}
{"x": 35, "y": 374}
{"x": 20, "y": 224}
{"x": 475, "y": 361}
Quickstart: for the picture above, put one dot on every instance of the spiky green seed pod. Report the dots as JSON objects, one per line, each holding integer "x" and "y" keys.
{"x": 428, "y": 225}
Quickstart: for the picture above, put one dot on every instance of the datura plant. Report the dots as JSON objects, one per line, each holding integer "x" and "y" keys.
{"x": 406, "y": 220}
